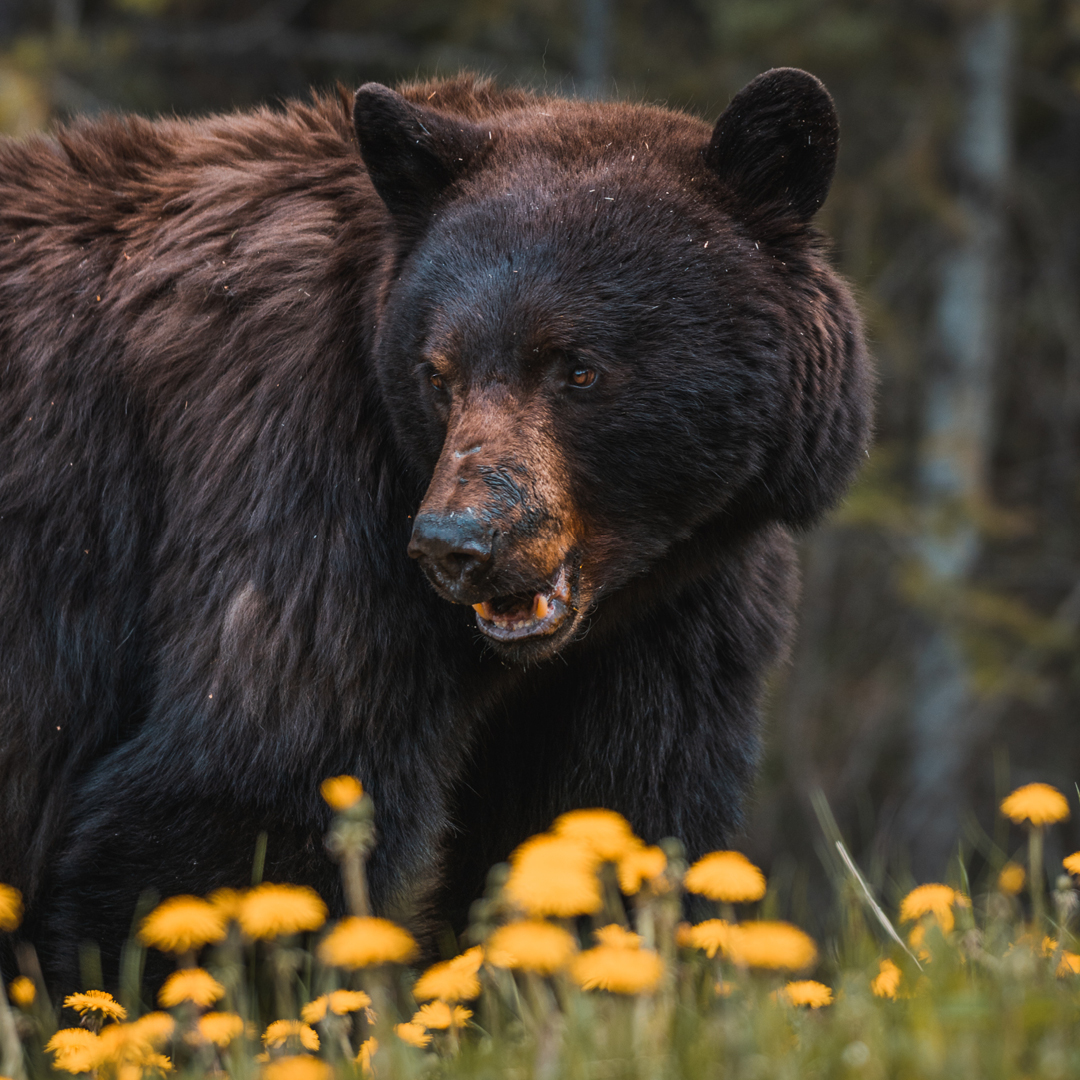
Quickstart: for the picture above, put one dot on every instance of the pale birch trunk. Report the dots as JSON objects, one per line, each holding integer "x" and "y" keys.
{"x": 595, "y": 49}
{"x": 958, "y": 431}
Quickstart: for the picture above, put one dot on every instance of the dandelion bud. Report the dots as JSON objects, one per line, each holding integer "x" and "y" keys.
{"x": 22, "y": 992}
{"x": 342, "y": 792}
{"x": 11, "y": 907}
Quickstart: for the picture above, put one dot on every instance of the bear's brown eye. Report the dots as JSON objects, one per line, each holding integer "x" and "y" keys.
{"x": 582, "y": 377}
{"x": 436, "y": 380}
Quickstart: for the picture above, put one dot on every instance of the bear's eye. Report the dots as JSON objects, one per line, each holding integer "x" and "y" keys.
{"x": 437, "y": 381}
{"x": 582, "y": 377}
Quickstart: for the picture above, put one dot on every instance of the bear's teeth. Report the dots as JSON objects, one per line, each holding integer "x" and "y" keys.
{"x": 516, "y": 614}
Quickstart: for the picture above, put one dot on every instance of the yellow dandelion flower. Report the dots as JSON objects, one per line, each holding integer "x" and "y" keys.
{"x": 413, "y": 1034}
{"x": 156, "y": 1028}
{"x": 221, "y": 1028}
{"x": 726, "y": 875}
{"x": 554, "y": 875}
{"x": 96, "y": 1001}
{"x": 684, "y": 936}
{"x": 341, "y": 792}
{"x": 339, "y": 1002}
{"x": 22, "y": 992}
{"x": 1072, "y": 862}
{"x": 807, "y": 992}
{"x": 137, "y": 1070}
{"x": 530, "y": 945}
{"x": 1011, "y": 879}
{"x": 438, "y": 1016}
{"x": 1069, "y": 964}
{"x": 607, "y": 833}
{"x": 362, "y": 941}
{"x": 281, "y": 1032}
{"x": 363, "y": 1058}
{"x": 269, "y": 910}
{"x": 775, "y": 945}
{"x": 711, "y": 936}
{"x": 136, "y": 1044}
{"x": 227, "y": 902}
{"x": 452, "y": 980}
{"x": 74, "y": 1050}
{"x": 297, "y": 1067}
{"x": 190, "y": 984}
{"x": 182, "y": 923}
{"x": 619, "y": 970}
{"x": 887, "y": 981}
{"x": 640, "y": 865}
{"x": 931, "y": 899}
{"x": 916, "y": 940}
{"x": 11, "y": 907}
{"x": 617, "y": 936}
{"x": 1040, "y": 804}
{"x": 343, "y": 1002}
{"x": 314, "y": 1011}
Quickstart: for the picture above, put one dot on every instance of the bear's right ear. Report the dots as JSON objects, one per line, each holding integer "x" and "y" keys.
{"x": 412, "y": 154}
{"x": 774, "y": 147}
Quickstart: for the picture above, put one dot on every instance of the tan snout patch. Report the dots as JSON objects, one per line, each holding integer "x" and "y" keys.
{"x": 500, "y": 462}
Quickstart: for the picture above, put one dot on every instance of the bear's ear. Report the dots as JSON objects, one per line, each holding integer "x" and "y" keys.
{"x": 774, "y": 148}
{"x": 412, "y": 154}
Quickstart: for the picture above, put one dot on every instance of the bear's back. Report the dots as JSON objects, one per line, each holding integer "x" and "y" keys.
{"x": 129, "y": 388}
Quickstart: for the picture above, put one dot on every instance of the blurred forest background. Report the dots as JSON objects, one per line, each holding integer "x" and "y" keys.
{"x": 937, "y": 662}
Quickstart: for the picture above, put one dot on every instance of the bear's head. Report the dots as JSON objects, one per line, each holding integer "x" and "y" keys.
{"x": 610, "y": 336}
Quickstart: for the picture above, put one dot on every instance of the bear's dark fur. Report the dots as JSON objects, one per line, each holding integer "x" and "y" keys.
{"x": 595, "y": 351}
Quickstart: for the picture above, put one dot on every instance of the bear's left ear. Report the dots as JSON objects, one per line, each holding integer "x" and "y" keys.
{"x": 774, "y": 147}
{"x": 412, "y": 154}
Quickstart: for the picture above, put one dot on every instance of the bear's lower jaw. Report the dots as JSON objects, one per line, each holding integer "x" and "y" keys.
{"x": 508, "y": 619}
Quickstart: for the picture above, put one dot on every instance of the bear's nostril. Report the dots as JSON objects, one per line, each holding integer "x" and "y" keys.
{"x": 458, "y": 542}
{"x": 461, "y": 567}
{"x": 459, "y": 562}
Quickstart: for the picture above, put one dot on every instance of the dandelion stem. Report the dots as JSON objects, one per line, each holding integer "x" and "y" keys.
{"x": 351, "y": 838}
{"x": 258, "y": 863}
{"x": 283, "y": 964}
{"x": 344, "y": 1045}
{"x": 11, "y": 1058}
{"x": 30, "y": 966}
{"x": 614, "y": 911}
{"x": 1035, "y": 874}
{"x": 352, "y": 875}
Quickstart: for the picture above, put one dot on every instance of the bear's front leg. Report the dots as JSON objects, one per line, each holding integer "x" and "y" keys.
{"x": 655, "y": 717}
{"x": 143, "y": 828}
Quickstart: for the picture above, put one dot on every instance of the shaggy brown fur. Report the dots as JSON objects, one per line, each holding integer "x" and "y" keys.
{"x": 235, "y": 352}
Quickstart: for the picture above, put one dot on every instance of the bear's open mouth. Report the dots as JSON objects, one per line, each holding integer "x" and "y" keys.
{"x": 526, "y": 615}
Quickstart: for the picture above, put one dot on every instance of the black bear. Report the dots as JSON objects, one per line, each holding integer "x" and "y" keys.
{"x": 448, "y": 437}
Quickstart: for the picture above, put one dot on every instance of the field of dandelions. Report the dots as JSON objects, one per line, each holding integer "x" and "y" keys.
{"x": 579, "y": 964}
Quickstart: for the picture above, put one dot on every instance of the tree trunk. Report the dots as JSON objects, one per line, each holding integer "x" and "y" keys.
{"x": 957, "y": 444}
{"x": 595, "y": 48}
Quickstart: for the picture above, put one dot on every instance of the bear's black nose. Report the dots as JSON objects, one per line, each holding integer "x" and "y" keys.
{"x": 456, "y": 545}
